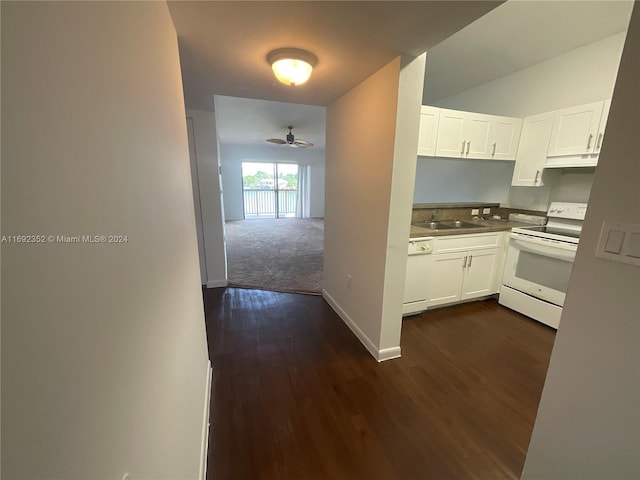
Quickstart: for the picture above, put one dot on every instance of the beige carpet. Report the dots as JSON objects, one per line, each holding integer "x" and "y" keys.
{"x": 283, "y": 254}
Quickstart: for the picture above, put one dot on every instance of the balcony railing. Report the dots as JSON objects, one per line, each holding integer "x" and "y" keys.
{"x": 262, "y": 203}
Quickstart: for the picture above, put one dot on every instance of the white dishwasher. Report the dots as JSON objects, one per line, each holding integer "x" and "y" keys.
{"x": 415, "y": 286}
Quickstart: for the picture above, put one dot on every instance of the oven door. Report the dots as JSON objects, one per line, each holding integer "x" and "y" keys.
{"x": 539, "y": 267}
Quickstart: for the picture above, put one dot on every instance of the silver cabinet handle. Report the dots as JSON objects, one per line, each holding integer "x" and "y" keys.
{"x": 589, "y": 141}
{"x": 535, "y": 180}
{"x": 599, "y": 144}
{"x": 470, "y": 258}
{"x": 494, "y": 150}
{"x": 468, "y": 145}
{"x": 464, "y": 265}
{"x": 462, "y": 151}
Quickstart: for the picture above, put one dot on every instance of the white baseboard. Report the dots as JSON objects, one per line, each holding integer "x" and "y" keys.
{"x": 204, "y": 447}
{"x": 389, "y": 353}
{"x": 379, "y": 355}
{"x": 217, "y": 283}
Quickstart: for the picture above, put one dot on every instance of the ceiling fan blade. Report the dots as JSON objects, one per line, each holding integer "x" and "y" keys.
{"x": 303, "y": 143}
{"x": 279, "y": 141}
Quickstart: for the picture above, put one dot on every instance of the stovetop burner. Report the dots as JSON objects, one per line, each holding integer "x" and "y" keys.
{"x": 565, "y": 223}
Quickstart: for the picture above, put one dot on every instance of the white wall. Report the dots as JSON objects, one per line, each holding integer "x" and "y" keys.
{"x": 209, "y": 187}
{"x": 364, "y": 230}
{"x": 400, "y": 206}
{"x": 232, "y": 156}
{"x": 574, "y": 185}
{"x": 586, "y": 74}
{"x": 458, "y": 180}
{"x": 588, "y": 424}
{"x": 104, "y": 350}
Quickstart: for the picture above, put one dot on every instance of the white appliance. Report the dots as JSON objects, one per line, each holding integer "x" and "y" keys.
{"x": 415, "y": 287}
{"x": 539, "y": 263}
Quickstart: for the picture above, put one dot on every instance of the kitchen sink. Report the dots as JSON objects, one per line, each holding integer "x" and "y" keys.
{"x": 448, "y": 225}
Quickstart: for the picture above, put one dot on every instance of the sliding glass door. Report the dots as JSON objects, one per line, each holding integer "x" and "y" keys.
{"x": 270, "y": 190}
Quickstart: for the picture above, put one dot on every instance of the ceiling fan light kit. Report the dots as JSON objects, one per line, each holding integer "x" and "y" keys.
{"x": 291, "y": 141}
{"x": 292, "y": 66}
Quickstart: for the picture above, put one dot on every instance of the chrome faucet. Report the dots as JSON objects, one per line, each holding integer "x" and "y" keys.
{"x": 433, "y": 215}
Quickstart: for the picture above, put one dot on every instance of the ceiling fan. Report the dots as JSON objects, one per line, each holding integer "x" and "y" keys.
{"x": 291, "y": 141}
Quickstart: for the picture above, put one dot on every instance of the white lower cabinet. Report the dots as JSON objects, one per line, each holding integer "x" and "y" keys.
{"x": 480, "y": 274}
{"x": 464, "y": 267}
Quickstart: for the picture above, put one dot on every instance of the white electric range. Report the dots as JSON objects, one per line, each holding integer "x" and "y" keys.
{"x": 539, "y": 263}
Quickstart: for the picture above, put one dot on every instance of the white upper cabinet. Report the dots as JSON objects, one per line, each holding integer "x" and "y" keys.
{"x": 575, "y": 130}
{"x": 505, "y": 136}
{"x": 532, "y": 151}
{"x": 451, "y": 141}
{"x": 476, "y": 135}
{"x": 603, "y": 124}
{"x": 429, "y": 121}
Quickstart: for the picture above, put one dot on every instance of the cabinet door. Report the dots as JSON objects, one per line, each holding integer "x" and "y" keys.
{"x": 575, "y": 129}
{"x": 429, "y": 120}
{"x": 532, "y": 150}
{"x": 480, "y": 274}
{"x": 505, "y": 135}
{"x": 450, "y": 142}
{"x": 444, "y": 282}
{"x": 603, "y": 123}
{"x": 476, "y": 132}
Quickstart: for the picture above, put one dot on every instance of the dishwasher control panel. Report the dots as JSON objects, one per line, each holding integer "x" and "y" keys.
{"x": 420, "y": 246}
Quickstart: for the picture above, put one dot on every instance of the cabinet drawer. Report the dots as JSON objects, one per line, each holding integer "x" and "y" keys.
{"x": 458, "y": 243}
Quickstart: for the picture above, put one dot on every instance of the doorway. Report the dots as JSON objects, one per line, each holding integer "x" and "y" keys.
{"x": 270, "y": 190}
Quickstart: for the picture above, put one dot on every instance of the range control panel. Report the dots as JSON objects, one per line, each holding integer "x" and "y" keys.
{"x": 573, "y": 211}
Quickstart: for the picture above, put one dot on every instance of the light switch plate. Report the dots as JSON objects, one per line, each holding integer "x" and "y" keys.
{"x": 619, "y": 242}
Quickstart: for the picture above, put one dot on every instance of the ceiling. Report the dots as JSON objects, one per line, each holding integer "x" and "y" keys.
{"x": 223, "y": 45}
{"x": 516, "y": 35}
{"x": 243, "y": 121}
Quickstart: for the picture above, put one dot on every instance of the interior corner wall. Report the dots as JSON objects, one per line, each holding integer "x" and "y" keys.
{"x": 358, "y": 194}
{"x": 401, "y": 201}
{"x": 232, "y": 156}
{"x": 104, "y": 353}
{"x": 588, "y": 420}
{"x": 209, "y": 188}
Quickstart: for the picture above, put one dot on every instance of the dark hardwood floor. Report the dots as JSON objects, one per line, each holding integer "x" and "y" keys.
{"x": 296, "y": 396}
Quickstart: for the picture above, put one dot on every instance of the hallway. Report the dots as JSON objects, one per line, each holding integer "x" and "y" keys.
{"x": 296, "y": 396}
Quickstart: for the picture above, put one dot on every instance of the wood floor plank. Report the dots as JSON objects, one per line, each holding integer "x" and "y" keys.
{"x": 296, "y": 396}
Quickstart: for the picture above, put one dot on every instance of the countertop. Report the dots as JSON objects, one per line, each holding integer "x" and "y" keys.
{"x": 484, "y": 226}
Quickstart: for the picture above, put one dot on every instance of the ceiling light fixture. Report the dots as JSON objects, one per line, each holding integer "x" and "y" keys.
{"x": 292, "y": 66}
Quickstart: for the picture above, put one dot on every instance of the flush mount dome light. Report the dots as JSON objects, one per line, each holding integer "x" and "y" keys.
{"x": 292, "y": 66}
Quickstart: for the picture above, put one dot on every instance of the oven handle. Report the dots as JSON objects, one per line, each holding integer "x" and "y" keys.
{"x": 561, "y": 251}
